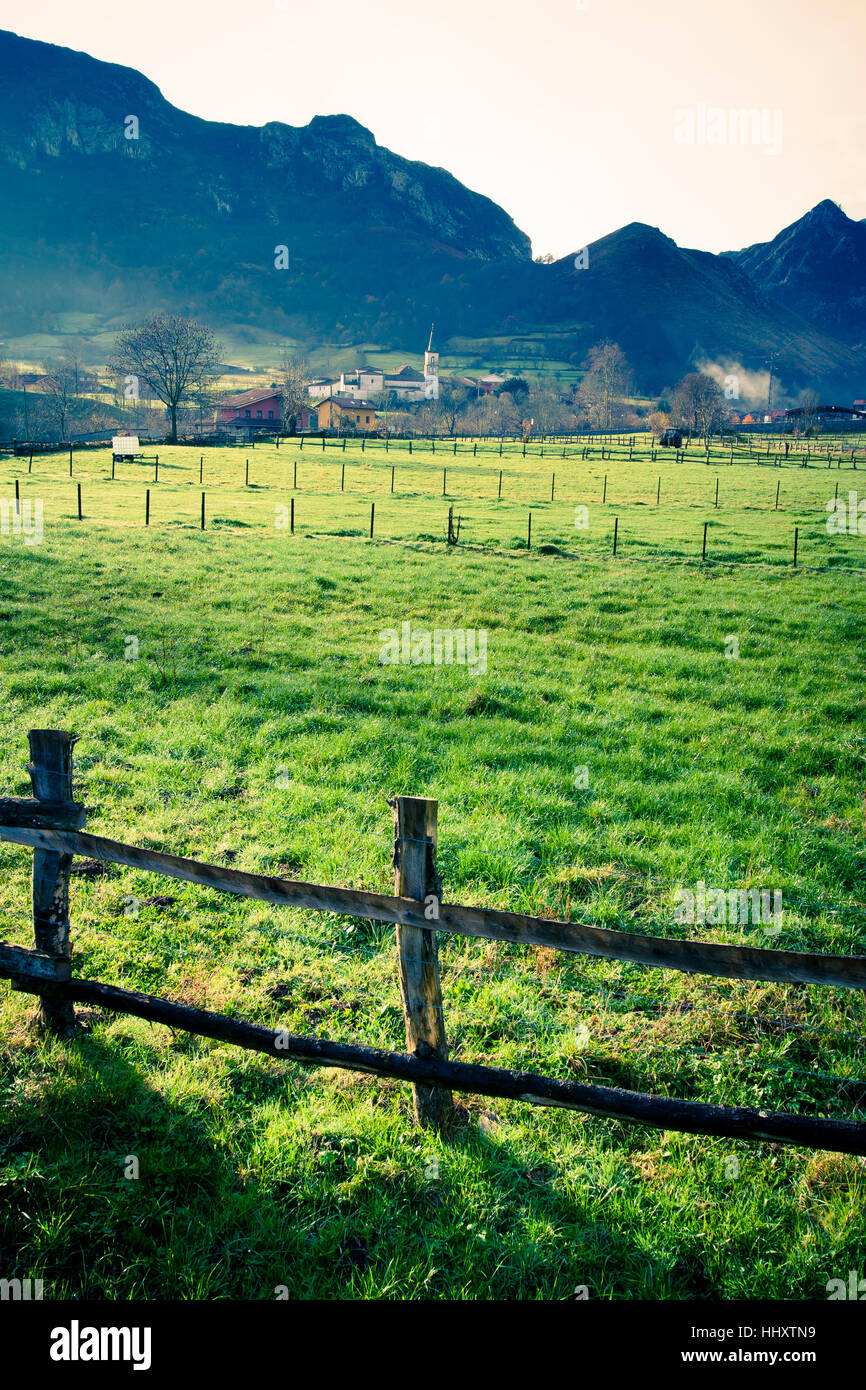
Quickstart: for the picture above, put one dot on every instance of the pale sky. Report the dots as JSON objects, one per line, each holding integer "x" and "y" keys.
{"x": 563, "y": 111}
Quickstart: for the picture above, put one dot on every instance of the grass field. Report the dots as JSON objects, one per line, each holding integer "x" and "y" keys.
{"x": 333, "y": 489}
{"x": 257, "y": 727}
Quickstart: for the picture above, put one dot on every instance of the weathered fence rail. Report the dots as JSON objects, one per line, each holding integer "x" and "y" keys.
{"x": 49, "y": 825}
{"x": 691, "y": 957}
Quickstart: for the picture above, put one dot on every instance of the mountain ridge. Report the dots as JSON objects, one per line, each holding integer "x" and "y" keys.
{"x": 191, "y": 214}
{"x": 816, "y": 266}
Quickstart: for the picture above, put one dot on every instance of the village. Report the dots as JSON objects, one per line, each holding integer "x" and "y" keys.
{"x": 64, "y": 400}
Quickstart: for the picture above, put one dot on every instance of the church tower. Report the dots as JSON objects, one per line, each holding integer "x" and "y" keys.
{"x": 431, "y": 370}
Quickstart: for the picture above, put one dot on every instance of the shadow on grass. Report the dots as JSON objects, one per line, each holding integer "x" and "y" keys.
{"x": 350, "y": 1206}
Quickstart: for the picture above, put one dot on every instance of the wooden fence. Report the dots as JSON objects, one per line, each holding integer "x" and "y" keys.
{"x": 50, "y": 824}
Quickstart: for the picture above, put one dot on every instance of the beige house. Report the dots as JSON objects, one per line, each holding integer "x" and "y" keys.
{"x": 344, "y": 412}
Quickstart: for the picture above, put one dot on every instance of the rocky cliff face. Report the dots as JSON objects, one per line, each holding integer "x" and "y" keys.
{"x": 60, "y": 109}
{"x": 104, "y": 214}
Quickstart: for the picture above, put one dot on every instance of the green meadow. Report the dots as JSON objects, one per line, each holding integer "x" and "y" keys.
{"x": 751, "y": 507}
{"x": 643, "y": 722}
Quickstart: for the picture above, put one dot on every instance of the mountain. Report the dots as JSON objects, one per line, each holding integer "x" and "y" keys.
{"x": 97, "y": 228}
{"x": 670, "y": 310}
{"x": 191, "y": 212}
{"x": 816, "y": 267}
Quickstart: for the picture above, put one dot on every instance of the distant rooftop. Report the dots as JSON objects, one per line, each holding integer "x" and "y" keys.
{"x": 405, "y": 373}
{"x": 250, "y": 398}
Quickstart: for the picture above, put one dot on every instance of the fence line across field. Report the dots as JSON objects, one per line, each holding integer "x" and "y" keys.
{"x": 711, "y": 500}
{"x": 694, "y": 957}
{"x": 779, "y": 441}
{"x": 12, "y": 959}
{"x": 670, "y": 557}
{"x": 717, "y": 453}
{"x": 50, "y": 825}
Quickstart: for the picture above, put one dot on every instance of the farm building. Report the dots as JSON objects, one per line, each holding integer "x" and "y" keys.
{"x": 262, "y": 409}
{"x": 407, "y": 383}
{"x": 825, "y": 413}
{"x": 481, "y": 385}
{"x": 320, "y": 386}
{"x": 344, "y": 412}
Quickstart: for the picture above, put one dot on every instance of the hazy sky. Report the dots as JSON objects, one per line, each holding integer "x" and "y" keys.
{"x": 577, "y": 116}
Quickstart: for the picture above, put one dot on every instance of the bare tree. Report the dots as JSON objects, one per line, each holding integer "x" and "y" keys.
{"x": 451, "y": 404}
{"x": 699, "y": 403}
{"x": 658, "y": 422}
{"x": 168, "y": 357}
{"x": 429, "y": 419}
{"x": 294, "y": 375}
{"x": 60, "y": 385}
{"x": 543, "y": 405}
{"x": 10, "y": 371}
{"x": 493, "y": 415}
{"x": 202, "y": 403}
{"x": 606, "y": 381}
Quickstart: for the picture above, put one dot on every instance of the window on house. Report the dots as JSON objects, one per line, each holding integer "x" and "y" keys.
{"x": 368, "y": 419}
{"x": 270, "y": 415}
{"x": 258, "y": 415}
{"x": 247, "y": 413}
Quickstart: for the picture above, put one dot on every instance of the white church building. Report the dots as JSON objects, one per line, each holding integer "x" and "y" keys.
{"x": 407, "y": 383}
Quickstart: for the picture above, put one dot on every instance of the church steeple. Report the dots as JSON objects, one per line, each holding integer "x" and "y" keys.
{"x": 431, "y": 370}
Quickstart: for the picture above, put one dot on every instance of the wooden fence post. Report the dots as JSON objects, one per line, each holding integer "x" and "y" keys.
{"x": 50, "y": 769}
{"x": 415, "y": 877}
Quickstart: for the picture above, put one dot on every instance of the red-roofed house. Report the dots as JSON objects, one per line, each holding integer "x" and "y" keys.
{"x": 262, "y": 410}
